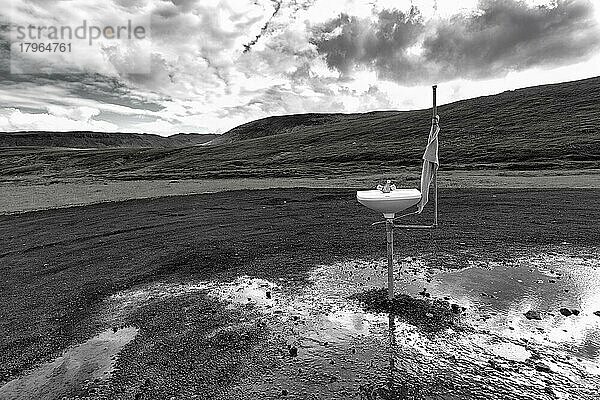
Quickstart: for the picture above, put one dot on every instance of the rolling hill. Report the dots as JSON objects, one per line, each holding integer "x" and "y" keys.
{"x": 88, "y": 140}
{"x": 543, "y": 127}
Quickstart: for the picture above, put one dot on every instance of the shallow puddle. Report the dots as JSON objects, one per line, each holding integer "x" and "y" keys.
{"x": 330, "y": 348}
{"x": 82, "y": 365}
{"x": 344, "y": 352}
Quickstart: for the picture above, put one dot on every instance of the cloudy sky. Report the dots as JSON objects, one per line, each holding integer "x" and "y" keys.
{"x": 207, "y": 66}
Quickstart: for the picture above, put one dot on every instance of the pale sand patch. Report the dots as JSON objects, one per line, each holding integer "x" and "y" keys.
{"x": 22, "y": 197}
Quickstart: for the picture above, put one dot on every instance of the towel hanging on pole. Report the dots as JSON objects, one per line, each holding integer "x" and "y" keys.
{"x": 430, "y": 162}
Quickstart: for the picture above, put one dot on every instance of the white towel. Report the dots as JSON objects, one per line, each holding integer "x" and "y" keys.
{"x": 430, "y": 162}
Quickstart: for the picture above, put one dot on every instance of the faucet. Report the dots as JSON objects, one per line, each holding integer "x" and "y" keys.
{"x": 389, "y": 186}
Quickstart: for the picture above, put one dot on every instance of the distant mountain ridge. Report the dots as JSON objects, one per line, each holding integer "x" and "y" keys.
{"x": 542, "y": 127}
{"x": 87, "y": 140}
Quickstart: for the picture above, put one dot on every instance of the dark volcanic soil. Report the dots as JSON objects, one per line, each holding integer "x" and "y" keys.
{"x": 431, "y": 316}
{"x": 58, "y": 266}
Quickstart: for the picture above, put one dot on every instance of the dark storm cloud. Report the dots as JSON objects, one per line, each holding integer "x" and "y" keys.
{"x": 4, "y": 46}
{"x": 502, "y": 35}
{"x": 96, "y": 87}
{"x": 347, "y": 41}
{"x": 510, "y": 35}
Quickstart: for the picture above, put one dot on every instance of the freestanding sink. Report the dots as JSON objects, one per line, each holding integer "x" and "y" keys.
{"x": 389, "y": 200}
{"x": 388, "y": 203}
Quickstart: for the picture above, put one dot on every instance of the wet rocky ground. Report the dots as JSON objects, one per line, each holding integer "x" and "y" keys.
{"x": 261, "y": 294}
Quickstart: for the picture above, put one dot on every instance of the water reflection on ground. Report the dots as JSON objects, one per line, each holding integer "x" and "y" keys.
{"x": 343, "y": 352}
{"x": 323, "y": 345}
{"x": 78, "y": 368}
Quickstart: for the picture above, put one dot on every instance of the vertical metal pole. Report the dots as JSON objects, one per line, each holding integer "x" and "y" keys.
{"x": 434, "y": 100}
{"x": 389, "y": 228}
{"x": 435, "y": 186}
{"x": 392, "y": 343}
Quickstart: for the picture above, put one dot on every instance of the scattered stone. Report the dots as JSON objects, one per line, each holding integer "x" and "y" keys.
{"x": 115, "y": 329}
{"x": 293, "y": 351}
{"x": 494, "y": 364}
{"x": 410, "y": 309}
{"x": 565, "y": 311}
{"x": 531, "y": 314}
{"x": 268, "y": 294}
{"x": 543, "y": 368}
{"x": 597, "y": 313}
{"x": 575, "y": 312}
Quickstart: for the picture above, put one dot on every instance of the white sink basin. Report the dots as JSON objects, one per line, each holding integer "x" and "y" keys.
{"x": 388, "y": 203}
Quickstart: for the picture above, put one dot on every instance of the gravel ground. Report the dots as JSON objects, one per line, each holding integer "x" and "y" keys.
{"x": 60, "y": 266}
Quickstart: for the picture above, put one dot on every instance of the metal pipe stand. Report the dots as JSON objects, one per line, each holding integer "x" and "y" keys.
{"x": 389, "y": 228}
